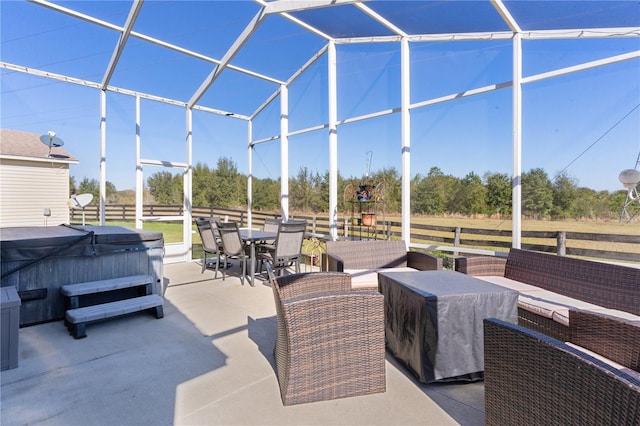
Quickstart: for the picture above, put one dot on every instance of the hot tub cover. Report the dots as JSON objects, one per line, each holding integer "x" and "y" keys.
{"x": 28, "y": 243}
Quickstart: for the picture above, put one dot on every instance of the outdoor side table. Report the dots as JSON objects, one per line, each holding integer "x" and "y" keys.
{"x": 434, "y": 321}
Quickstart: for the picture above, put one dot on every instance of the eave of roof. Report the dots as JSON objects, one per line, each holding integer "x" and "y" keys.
{"x": 26, "y": 146}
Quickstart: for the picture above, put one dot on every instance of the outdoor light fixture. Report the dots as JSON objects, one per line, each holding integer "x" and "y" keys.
{"x": 630, "y": 179}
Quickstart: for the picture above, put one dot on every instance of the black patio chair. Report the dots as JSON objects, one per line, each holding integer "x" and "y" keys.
{"x": 287, "y": 249}
{"x": 232, "y": 246}
{"x": 211, "y": 243}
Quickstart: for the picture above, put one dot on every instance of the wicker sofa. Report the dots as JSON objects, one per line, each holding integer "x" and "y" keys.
{"x": 551, "y": 285}
{"x": 531, "y": 378}
{"x": 330, "y": 340}
{"x": 364, "y": 259}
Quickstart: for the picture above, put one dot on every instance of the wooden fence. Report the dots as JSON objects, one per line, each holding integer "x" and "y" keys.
{"x": 621, "y": 248}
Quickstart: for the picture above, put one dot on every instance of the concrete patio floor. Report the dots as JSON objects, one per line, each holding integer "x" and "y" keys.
{"x": 208, "y": 361}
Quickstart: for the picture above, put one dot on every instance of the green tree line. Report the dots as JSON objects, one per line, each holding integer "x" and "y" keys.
{"x": 435, "y": 193}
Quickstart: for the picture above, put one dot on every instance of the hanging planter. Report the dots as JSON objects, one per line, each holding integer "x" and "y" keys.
{"x": 364, "y": 192}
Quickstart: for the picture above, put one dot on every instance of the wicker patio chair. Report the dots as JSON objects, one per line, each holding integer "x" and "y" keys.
{"x": 614, "y": 338}
{"x": 330, "y": 340}
{"x": 531, "y": 378}
{"x": 233, "y": 246}
{"x": 287, "y": 249}
{"x": 211, "y": 243}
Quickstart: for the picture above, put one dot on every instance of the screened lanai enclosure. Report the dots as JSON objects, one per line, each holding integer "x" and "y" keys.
{"x": 334, "y": 86}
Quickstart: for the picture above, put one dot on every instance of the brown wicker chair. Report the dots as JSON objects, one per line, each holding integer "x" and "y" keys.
{"x": 531, "y": 378}
{"x": 614, "y": 338}
{"x": 364, "y": 259}
{"x": 330, "y": 340}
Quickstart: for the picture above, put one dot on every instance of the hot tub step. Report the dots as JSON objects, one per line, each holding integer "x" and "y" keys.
{"x": 78, "y": 318}
{"x": 72, "y": 292}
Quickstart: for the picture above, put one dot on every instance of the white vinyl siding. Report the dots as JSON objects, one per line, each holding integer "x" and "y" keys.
{"x": 28, "y": 187}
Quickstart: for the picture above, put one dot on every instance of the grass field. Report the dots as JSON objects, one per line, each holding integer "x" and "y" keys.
{"x": 591, "y": 227}
{"x": 596, "y": 227}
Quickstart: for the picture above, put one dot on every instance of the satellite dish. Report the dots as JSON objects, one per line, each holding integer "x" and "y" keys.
{"x": 80, "y": 201}
{"x": 51, "y": 141}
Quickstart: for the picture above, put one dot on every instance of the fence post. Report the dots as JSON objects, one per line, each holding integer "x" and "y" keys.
{"x": 313, "y": 224}
{"x": 562, "y": 243}
{"x": 456, "y": 239}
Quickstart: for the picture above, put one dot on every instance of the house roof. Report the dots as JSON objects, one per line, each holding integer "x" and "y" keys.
{"x": 15, "y": 143}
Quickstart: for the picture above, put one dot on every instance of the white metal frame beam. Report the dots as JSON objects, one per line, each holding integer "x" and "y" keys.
{"x": 284, "y": 152}
{"x": 228, "y": 56}
{"x": 380, "y": 19}
{"x": 114, "y": 89}
{"x": 458, "y": 95}
{"x": 506, "y": 16}
{"x": 628, "y": 32}
{"x": 139, "y": 172}
{"x": 516, "y": 177}
{"x": 291, "y": 79}
{"x": 284, "y": 6}
{"x": 332, "y": 77}
{"x": 250, "y": 174}
{"x": 150, "y": 39}
{"x": 103, "y": 155}
{"x": 122, "y": 41}
{"x": 187, "y": 235}
{"x": 405, "y": 151}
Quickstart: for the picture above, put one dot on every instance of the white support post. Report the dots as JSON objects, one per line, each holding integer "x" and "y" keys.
{"x": 405, "y": 99}
{"x": 284, "y": 152}
{"x": 333, "y": 140}
{"x": 103, "y": 156}
{"x": 139, "y": 175}
{"x": 188, "y": 191}
{"x": 250, "y": 177}
{"x": 516, "y": 179}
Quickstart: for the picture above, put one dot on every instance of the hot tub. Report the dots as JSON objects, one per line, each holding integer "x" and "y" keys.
{"x": 39, "y": 260}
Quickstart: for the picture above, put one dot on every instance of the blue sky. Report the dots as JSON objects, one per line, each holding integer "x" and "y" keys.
{"x": 587, "y": 123}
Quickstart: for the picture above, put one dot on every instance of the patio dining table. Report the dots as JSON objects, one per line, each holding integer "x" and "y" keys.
{"x": 252, "y": 236}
